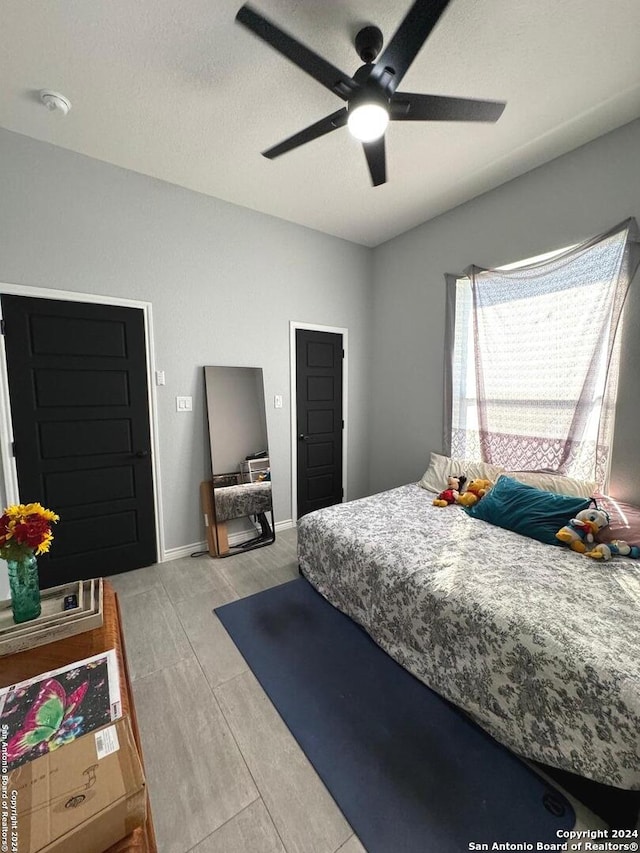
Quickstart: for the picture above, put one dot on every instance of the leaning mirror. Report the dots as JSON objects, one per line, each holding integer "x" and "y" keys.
{"x": 238, "y": 497}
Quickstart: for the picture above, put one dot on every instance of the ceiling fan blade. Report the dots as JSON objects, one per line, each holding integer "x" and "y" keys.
{"x": 305, "y": 58}
{"x": 376, "y": 160}
{"x": 325, "y": 125}
{"x": 406, "y": 106}
{"x": 394, "y": 61}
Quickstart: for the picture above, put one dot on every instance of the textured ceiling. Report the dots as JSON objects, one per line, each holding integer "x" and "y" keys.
{"x": 180, "y": 92}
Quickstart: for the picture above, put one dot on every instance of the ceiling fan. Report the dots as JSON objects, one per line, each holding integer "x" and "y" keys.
{"x": 371, "y": 96}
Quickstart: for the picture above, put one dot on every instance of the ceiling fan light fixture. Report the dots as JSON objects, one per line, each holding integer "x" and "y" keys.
{"x": 368, "y": 122}
{"x": 371, "y": 94}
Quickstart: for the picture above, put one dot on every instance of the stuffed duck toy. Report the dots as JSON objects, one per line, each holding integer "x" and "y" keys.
{"x": 580, "y": 533}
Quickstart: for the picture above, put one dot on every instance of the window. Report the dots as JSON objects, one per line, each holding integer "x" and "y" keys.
{"x": 534, "y": 362}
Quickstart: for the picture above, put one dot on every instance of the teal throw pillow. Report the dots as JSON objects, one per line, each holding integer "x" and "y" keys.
{"x": 527, "y": 510}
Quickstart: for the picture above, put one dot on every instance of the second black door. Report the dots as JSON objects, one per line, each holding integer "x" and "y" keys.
{"x": 319, "y": 359}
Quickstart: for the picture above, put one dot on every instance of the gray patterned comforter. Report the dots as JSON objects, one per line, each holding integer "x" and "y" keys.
{"x": 540, "y": 645}
{"x": 243, "y": 499}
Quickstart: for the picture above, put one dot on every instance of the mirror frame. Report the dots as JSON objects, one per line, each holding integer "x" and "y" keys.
{"x": 217, "y": 532}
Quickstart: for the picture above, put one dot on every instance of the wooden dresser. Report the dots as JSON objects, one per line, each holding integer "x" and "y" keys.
{"x": 23, "y": 665}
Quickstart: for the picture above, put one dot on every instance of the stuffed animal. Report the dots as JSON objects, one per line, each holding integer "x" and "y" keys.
{"x": 451, "y": 493}
{"x": 474, "y": 491}
{"x": 580, "y": 533}
{"x": 605, "y": 551}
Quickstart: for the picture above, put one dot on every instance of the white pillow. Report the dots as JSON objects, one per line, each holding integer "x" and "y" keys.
{"x": 557, "y": 483}
{"x": 441, "y": 468}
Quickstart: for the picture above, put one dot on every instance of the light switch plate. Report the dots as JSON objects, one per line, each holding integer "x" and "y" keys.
{"x": 184, "y": 404}
{"x": 160, "y": 379}
{"x": 277, "y": 401}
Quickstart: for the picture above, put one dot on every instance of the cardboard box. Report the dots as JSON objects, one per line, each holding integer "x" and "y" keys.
{"x": 84, "y": 796}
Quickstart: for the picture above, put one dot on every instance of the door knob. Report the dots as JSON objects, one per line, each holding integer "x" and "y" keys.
{"x": 303, "y": 437}
{"x": 141, "y": 454}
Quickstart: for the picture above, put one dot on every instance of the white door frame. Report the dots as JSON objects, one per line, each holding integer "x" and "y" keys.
{"x": 9, "y": 469}
{"x": 336, "y": 330}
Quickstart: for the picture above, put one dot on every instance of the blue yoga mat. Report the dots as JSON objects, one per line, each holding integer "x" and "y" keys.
{"x": 410, "y": 772}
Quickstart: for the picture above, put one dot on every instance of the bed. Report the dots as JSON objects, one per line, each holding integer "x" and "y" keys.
{"x": 539, "y": 645}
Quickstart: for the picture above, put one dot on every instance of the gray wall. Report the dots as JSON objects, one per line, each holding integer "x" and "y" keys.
{"x": 224, "y": 282}
{"x": 571, "y": 198}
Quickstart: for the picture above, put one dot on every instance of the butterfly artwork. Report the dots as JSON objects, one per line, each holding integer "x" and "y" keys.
{"x": 44, "y": 713}
{"x": 51, "y": 721}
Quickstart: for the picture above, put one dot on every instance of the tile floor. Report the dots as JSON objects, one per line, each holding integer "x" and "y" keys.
{"x": 224, "y": 773}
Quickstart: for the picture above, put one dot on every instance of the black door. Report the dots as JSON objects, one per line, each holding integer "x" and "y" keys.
{"x": 79, "y": 406}
{"x": 319, "y": 416}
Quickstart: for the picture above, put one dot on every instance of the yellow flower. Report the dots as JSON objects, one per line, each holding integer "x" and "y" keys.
{"x": 44, "y": 546}
{"x": 15, "y": 511}
{"x": 38, "y": 509}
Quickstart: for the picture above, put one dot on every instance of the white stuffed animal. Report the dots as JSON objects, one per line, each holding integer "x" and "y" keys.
{"x": 605, "y": 551}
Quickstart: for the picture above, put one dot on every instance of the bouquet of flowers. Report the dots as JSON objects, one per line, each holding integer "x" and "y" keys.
{"x": 25, "y": 529}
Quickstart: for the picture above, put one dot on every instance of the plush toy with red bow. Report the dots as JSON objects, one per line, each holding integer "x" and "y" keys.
{"x": 452, "y": 492}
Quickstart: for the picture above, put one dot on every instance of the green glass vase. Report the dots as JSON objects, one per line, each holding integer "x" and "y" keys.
{"x": 25, "y": 588}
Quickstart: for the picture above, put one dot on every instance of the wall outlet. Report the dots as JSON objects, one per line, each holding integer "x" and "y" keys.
{"x": 184, "y": 404}
{"x": 277, "y": 401}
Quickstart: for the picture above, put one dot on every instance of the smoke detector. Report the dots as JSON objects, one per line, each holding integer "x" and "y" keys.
{"x": 55, "y": 102}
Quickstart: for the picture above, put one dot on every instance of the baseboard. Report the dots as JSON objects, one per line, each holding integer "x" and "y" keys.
{"x": 182, "y": 551}
{"x": 234, "y": 539}
{"x": 240, "y": 537}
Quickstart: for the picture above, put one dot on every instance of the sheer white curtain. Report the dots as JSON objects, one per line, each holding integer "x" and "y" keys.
{"x": 534, "y": 359}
